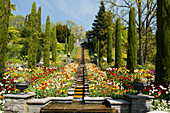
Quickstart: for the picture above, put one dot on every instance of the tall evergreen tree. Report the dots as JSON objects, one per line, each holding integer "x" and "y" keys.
{"x": 4, "y": 23}
{"x": 163, "y": 42}
{"x": 72, "y": 41}
{"x": 39, "y": 20}
{"x": 26, "y": 34}
{"x": 66, "y": 46}
{"x": 39, "y": 44}
{"x": 32, "y": 51}
{"x": 109, "y": 45}
{"x": 100, "y": 28}
{"x": 54, "y": 45}
{"x": 47, "y": 43}
{"x": 118, "y": 51}
{"x": 69, "y": 44}
{"x": 132, "y": 41}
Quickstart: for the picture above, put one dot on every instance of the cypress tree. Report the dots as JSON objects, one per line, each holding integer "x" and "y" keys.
{"x": 47, "y": 43}
{"x": 39, "y": 46}
{"x": 4, "y": 23}
{"x": 132, "y": 41}
{"x": 32, "y": 51}
{"x": 39, "y": 20}
{"x": 98, "y": 51}
{"x": 162, "y": 75}
{"x": 66, "y": 46}
{"x": 69, "y": 44}
{"x": 118, "y": 51}
{"x": 54, "y": 45}
{"x": 109, "y": 46}
{"x": 72, "y": 42}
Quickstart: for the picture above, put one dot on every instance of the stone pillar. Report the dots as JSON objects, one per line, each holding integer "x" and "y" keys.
{"x": 15, "y": 103}
{"x": 139, "y": 103}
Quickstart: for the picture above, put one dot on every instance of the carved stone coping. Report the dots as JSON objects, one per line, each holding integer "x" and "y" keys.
{"x": 43, "y": 101}
{"x": 95, "y": 99}
{"x": 19, "y": 96}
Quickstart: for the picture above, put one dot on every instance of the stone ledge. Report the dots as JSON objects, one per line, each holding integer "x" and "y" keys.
{"x": 138, "y": 96}
{"x": 46, "y": 100}
{"x": 117, "y": 101}
{"x": 18, "y": 96}
{"x": 157, "y": 112}
{"x": 95, "y": 100}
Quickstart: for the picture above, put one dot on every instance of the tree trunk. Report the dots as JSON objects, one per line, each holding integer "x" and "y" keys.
{"x": 147, "y": 34}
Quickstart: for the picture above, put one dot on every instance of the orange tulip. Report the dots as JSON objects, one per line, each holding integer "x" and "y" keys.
{"x": 1, "y": 96}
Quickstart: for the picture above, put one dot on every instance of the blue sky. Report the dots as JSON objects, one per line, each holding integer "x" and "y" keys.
{"x": 82, "y": 12}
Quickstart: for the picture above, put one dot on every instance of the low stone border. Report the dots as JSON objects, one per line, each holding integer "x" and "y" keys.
{"x": 15, "y": 103}
{"x": 95, "y": 100}
{"x": 121, "y": 105}
{"x": 139, "y": 103}
{"x": 35, "y": 105}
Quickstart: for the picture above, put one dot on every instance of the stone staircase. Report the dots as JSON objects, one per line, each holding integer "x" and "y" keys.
{"x": 81, "y": 88}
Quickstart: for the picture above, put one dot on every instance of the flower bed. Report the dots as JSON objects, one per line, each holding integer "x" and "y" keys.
{"x": 116, "y": 82}
{"x": 44, "y": 82}
{"x": 102, "y": 85}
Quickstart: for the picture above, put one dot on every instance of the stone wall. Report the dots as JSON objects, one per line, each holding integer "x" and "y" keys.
{"x": 27, "y": 104}
{"x": 16, "y": 103}
{"x": 139, "y": 103}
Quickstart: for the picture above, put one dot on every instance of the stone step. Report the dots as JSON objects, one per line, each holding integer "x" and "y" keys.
{"x": 79, "y": 87}
{"x": 79, "y": 90}
{"x": 81, "y": 93}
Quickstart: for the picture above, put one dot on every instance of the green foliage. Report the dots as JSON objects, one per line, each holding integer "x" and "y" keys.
{"x": 39, "y": 41}
{"x": 132, "y": 42}
{"x": 13, "y": 50}
{"x": 95, "y": 44}
{"x": 24, "y": 49}
{"x": 163, "y": 48}
{"x": 71, "y": 43}
{"x": 54, "y": 45}
{"x": 60, "y": 47}
{"x": 32, "y": 50}
{"x": 98, "y": 50}
{"x": 118, "y": 44}
{"x": 66, "y": 46}
{"x": 17, "y": 22}
{"x": 70, "y": 24}
{"x": 62, "y": 31}
{"x": 46, "y": 41}
{"x": 39, "y": 20}
{"x": 104, "y": 19}
{"x": 25, "y": 33}
{"x": 109, "y": 46}
{"x": 4, "y": 23}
